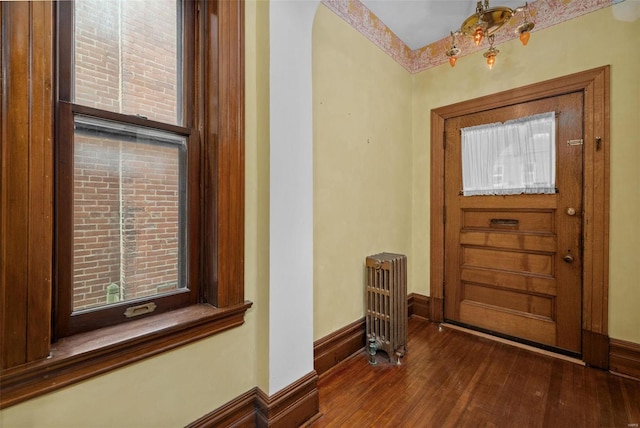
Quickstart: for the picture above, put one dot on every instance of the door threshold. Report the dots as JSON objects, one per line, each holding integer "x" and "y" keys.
{"x": 514, "y": 343}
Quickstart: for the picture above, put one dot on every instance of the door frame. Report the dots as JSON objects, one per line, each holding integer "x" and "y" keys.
{"x": 595, "y": 221}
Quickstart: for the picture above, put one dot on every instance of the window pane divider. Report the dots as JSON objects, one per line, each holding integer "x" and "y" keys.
{"x": 78, "y": 109}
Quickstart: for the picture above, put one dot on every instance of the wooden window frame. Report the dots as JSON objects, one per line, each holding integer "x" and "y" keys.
{"x": 30, "y": 363}
{"x": 66, "y": 321}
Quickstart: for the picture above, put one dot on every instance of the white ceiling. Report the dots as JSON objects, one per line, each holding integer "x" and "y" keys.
{"x": 422, "y": 22}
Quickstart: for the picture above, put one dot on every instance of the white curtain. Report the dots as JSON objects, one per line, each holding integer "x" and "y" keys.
{"x": 516, "y": 157}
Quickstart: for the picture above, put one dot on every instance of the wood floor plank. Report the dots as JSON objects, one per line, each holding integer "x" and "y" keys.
{"x": 605, "y": 404}
{"x": 618, "y": 406}
{"x": 529, "y": 385}
{"x": 453, "y": 379}
{"x": 489, "y": 400}
{"x": 631, "y": 394}
{"x": 565, "y": 396}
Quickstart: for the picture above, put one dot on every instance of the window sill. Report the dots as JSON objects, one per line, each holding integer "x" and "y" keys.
{"x": 85, "y": 355}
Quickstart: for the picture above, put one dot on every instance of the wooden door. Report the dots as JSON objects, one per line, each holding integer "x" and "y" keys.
{"x": 513, "y": 263}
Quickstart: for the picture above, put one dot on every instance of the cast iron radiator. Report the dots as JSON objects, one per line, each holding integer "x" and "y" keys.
{"x": 386, "y": 305}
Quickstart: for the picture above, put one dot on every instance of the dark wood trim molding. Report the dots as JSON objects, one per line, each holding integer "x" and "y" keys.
{"x": 595, "y": 287}
{"x": 624, "y": 358}
{"x": 223, "y": 269}
{"x": 337, "y": 346}
{"x": 290, "y": 407}
{"x": 294, "y": 406}
{"x": 595, "y": 349}
{"x": 86, "y": 355}
{"x": 436, "y": 307}
{"x": 26, "y": 181}
{"x": 418, "y": 305}
{"x": 238, "y": 413}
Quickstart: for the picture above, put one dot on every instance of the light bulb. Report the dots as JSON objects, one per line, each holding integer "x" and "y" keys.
{"x": 452, "y": 60}
{"x": 524, "y": 37}
{"x": 491, "y": 59}
{"x": 478, "y": 35}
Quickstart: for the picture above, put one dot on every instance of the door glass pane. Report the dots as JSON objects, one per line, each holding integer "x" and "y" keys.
{"x": 511, "y": 158}
{"x": 129, "y": 204}
{"x": 128, "y": 57}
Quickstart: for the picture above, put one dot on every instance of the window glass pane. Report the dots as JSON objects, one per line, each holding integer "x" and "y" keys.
{"x": 129, "y": 203}
{"x": 128, "y": 57}
{"x": 510, "y": 158}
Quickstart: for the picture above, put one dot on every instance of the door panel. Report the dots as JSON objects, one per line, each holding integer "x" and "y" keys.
{"x": 513, "y": 263}
{"x": 513, "y": 300}
{"x": 540, "y": 221}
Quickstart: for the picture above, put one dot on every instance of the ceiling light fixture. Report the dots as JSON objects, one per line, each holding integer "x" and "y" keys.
{"x": 484, "y": 24}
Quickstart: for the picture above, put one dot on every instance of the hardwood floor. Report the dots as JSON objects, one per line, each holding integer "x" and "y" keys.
{"x": 452, "y": 378}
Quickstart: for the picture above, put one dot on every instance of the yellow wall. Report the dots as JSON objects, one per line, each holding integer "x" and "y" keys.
{"x": 593, "y": 40}
{"x": 180, "y": 386}
{"x": 169, "y": 390}
{"x": 257, "y": 173}
{"x": 362, "y": 159}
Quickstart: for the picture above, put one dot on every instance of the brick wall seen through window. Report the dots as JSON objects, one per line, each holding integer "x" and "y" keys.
{"x": 126, "y": 194}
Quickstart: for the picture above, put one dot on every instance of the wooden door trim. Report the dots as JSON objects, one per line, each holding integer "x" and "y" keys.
{"x": 595, "y": 236}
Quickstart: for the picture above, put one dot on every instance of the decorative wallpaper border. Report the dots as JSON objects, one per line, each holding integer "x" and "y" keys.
{"x": 366, "y": 22}
{"x": 545, "y": 13}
